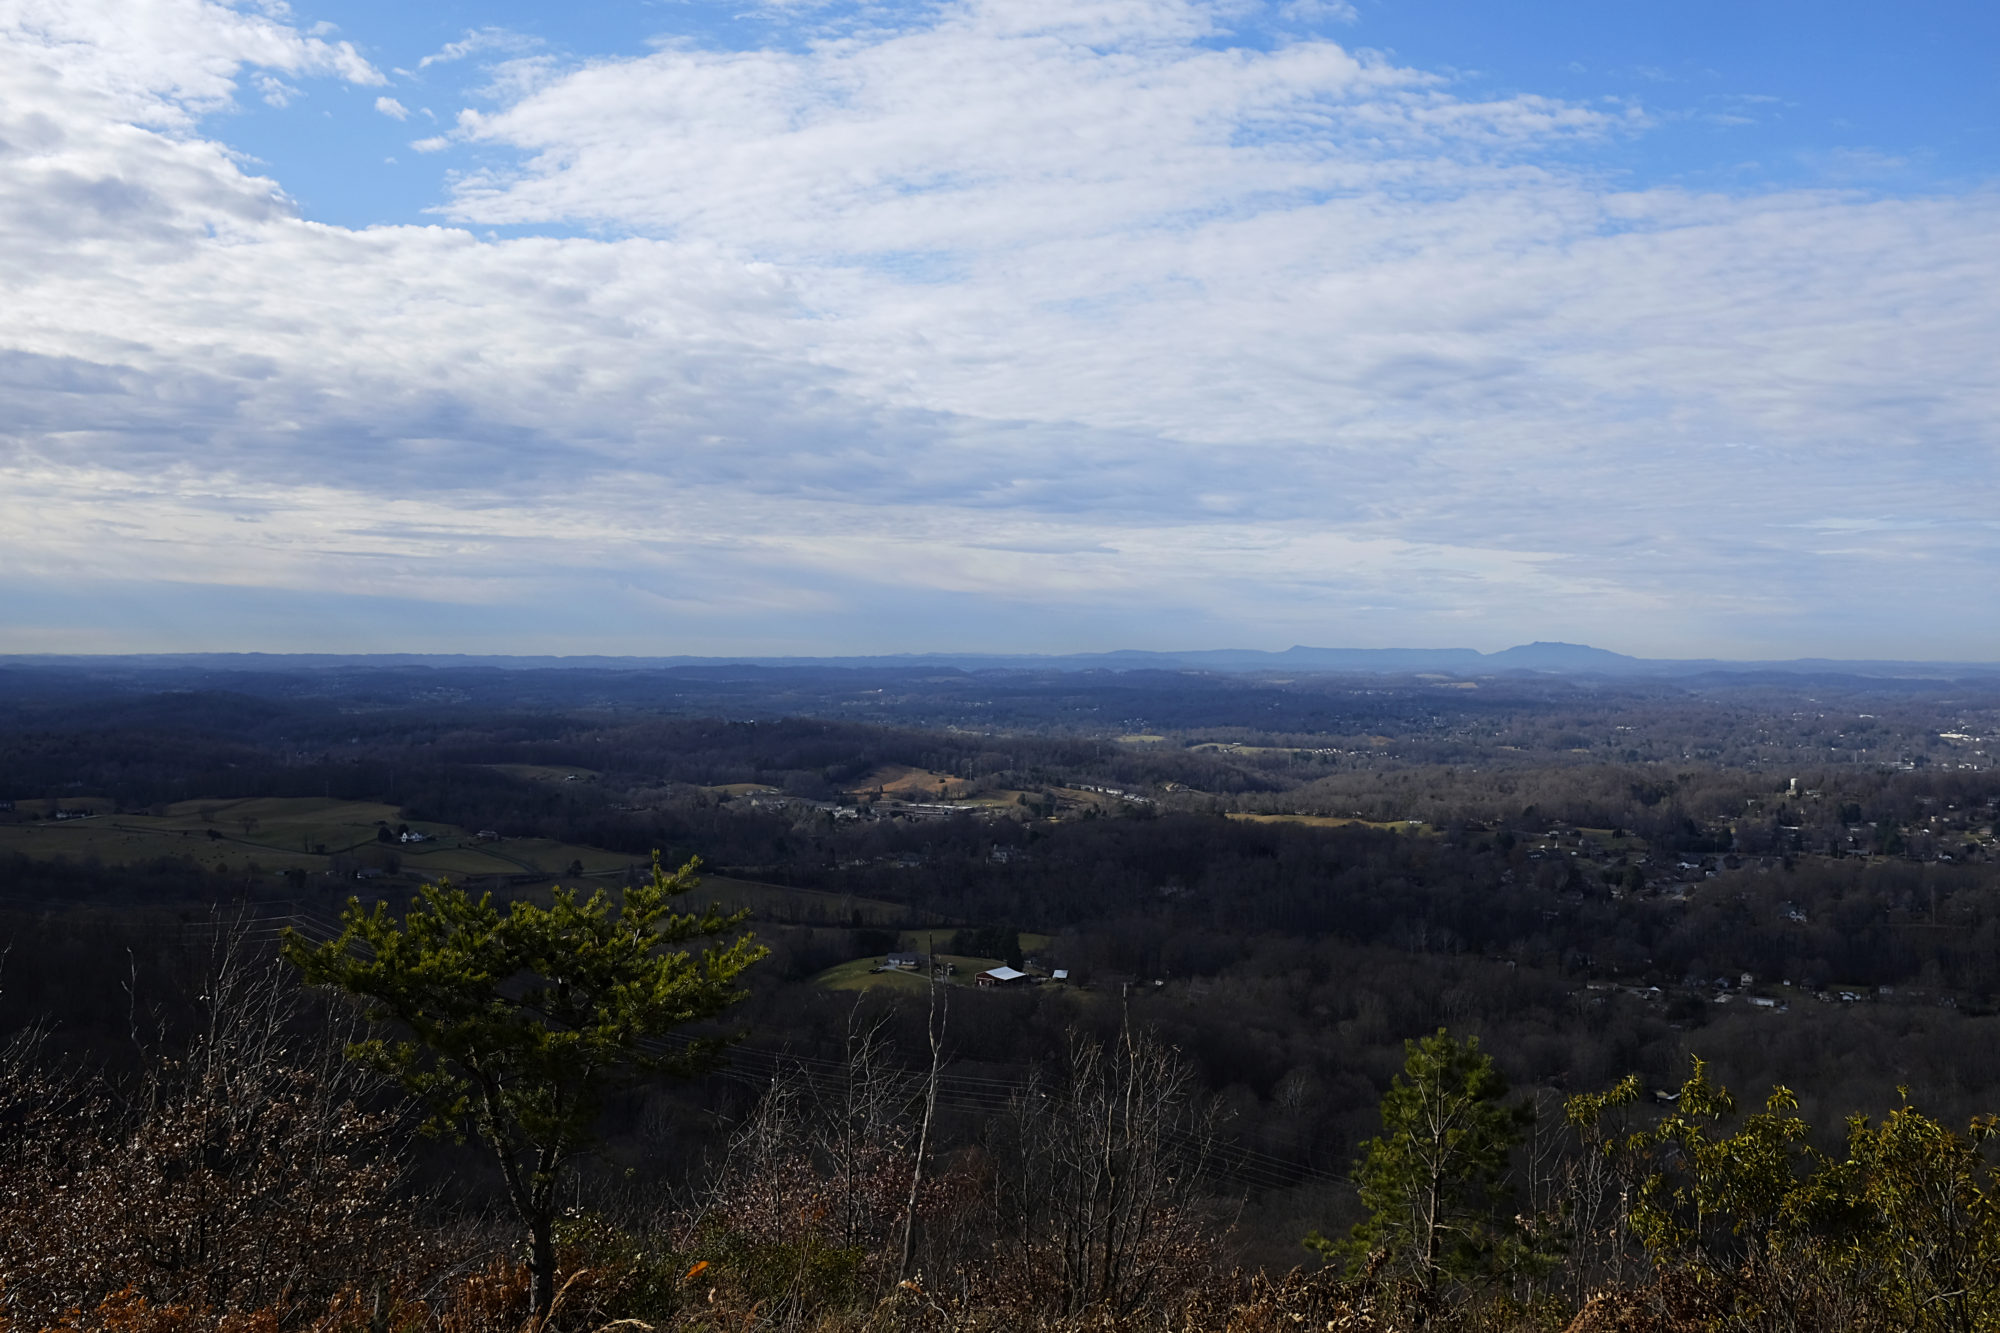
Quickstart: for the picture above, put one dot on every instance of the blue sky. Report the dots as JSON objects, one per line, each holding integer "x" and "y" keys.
{"x": 1036, "y": 326}
{"x": 1741, "y": 96}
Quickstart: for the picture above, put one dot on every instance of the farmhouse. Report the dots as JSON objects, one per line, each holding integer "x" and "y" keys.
{"x": 1000, "y": 976}
{"x": 904, "y": 961}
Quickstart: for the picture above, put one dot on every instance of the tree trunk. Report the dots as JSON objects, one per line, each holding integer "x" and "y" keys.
{"x": 934, "y": 1027}
{"x": 541, "y": 1269}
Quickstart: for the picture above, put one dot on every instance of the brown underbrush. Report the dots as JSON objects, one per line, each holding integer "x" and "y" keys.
{"x": 251, "y": 1180}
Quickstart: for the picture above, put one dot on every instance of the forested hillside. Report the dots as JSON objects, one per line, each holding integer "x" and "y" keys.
{"x": 1233, "y": 899}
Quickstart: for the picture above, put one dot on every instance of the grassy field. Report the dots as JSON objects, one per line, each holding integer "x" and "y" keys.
{"x": 306, "y": 833}
{"x": 1336, "y": 821}
{"x": 910, "y": 784}
{"x": 1624, "y": 842}
{"x": 303, "y": 833}
{"x": 545, "y": 773}
{"x": 1231, "y": 747}
{"x": 860, "y": 974}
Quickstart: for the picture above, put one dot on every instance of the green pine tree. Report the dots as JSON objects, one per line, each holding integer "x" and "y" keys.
{"x": 512, "y": 1027}
{"x": 1434, "y": 1181}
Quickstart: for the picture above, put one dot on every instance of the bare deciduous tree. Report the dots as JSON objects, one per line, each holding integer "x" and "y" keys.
{"x": 1097, "y": 1175}
{"x": 252, "y": 1169}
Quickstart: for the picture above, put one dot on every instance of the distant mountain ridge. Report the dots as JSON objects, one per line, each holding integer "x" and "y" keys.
{"x": 1568, "y": 659}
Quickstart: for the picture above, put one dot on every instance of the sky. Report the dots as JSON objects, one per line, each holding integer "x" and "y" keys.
{"x": 656, "y": 326}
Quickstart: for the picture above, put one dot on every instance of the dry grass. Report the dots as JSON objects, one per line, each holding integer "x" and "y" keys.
{"x": 1337, "y": 821}
{"x": 910, "y": 784}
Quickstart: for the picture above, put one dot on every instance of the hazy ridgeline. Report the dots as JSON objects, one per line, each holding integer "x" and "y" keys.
{"x": 1258, "y": 888}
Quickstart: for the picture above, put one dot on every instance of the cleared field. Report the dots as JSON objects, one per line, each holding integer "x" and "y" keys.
{"x": 1335, "y": 821}
{"x": 36, "y": 805}
{"x": 307, "y": 833}
{"x": 545, "y": 772}
{"x": 1085, "y": 799}
{"x": 911, "y": 784}
{"x": 1231, "y": 747}
{"x": 1616, "y": 840}
{"x": 860, "y": 974}
{"x": 277, "y": 834}
{"x": 302, "y": 833}
{"x": 515, "y": 856}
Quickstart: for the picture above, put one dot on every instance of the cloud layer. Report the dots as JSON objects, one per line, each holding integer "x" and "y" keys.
{"x": 1031, "y": 326}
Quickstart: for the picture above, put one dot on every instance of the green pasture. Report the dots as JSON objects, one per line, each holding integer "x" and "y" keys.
{"x": 545, "y": 772}
{"x": 278, "y": 834}
{"x": 860, "y": 974}
{"x": 306, "y": 833}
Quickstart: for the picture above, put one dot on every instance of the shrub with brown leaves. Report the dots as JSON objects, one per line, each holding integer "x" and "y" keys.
{"x": 244, "y": 1172}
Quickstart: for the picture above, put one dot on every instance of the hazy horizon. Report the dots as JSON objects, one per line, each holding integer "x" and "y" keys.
{"x": 1306, "y": 659}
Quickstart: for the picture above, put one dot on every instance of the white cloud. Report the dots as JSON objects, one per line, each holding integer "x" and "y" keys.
{"x": 275, "y": 91}
{"x": 1000, "y": 116}
{"x": 391, "y": 108}
{"x": 1022, "y": 328}
{"x": 1319, "y": 11}
{"x": 479, "y": 42}
{"x": 165, "y": 62}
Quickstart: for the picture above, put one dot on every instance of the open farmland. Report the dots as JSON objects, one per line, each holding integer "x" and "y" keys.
{"x": 1337, "y": 821}
{"x": 866, "y": 973}
{"x": 544, "y": 772}
{"x": 297, "y": 833}
{"x": 862, "y": 974}
{"x": 274, "y": 835}
{"x": 910, "y": 784}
